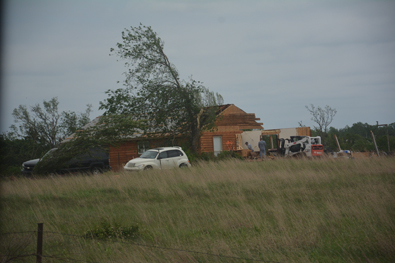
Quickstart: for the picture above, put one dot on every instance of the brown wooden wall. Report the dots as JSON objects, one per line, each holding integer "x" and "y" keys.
{"x": 244, "y": 121}
{"x": 206, "y": 143}
{"x": 120, "y": 155}
{"x": 304, "y": 131}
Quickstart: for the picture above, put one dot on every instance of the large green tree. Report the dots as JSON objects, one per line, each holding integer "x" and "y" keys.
{"x": 45, "y": 124}
{"x": 37, "y": 129}
{"x": 153, "y": 91}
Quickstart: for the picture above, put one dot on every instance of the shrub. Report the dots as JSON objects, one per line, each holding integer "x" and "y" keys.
{"x": 107, "y": 230}
{"x": 10, "y": 170}
{"x": 225, "y": 155}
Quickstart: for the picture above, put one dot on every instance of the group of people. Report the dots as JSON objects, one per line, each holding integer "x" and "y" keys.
{"x": 261, "y": 146}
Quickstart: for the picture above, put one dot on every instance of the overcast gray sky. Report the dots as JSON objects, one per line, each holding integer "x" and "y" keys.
{"x": 270, "y": 58}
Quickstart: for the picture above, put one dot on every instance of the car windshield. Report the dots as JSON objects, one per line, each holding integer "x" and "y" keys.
{"x": 49, "y": 152}
{"x": 149, "y": 155}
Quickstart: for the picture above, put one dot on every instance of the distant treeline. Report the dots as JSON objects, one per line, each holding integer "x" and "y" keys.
{"x": 358, "y": 137}
{"x": 15, "y": 151}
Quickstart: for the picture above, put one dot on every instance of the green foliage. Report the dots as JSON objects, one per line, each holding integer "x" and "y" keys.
{"x": 106, "y": 131}
{"x": 10, "y": 170}
{"x": 209, "y": 156}
{"x": 46, "y": 124}
{"x": 106, "y": 230}
{"x": 206, "y": 156}
{"x": 225, "y": 155}
{"x": 14, "y": 151}
{"x": 39, "y": 128}
{"x": 154, "y": 92}
{"x": 358, "y": 137}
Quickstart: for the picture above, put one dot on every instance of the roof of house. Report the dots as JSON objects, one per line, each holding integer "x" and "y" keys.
{"x": 232, "y": 116}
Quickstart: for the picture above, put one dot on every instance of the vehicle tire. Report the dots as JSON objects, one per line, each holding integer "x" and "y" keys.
{"x": 95, "y": 170}
{"x": 183, "y": 165}
{"x": 148, "y": 167}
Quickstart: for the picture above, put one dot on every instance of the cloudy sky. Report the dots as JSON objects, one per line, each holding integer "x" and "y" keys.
{"x": 270, "y": 58}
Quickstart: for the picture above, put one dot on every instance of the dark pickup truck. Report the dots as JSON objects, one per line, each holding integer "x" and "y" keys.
{"x": 95, "y": 161}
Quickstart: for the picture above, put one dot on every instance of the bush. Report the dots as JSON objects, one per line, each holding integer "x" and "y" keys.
{"x": 107, "y": 230}
{"x": 225, "y": 155}
{"x": 209, "y": 156}
{"x": 10, "y": 170}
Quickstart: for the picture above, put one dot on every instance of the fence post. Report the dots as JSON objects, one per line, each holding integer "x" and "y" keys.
{"x": 39, "y": 242}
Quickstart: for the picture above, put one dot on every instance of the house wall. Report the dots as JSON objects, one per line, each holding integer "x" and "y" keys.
{"x": 206, "y": 141}
{"x": 252, "y": 137}
{"x": 287, "y": 133}
{"x": 120, "y": 155}
{"x": 230, "y": 124}
{"x": 304, "y": 131}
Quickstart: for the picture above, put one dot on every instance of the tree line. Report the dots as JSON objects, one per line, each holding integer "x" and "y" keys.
{"x": 357, "y": 137}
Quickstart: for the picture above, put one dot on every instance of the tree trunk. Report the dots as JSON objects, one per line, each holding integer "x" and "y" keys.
{"x": 194, "y": 140}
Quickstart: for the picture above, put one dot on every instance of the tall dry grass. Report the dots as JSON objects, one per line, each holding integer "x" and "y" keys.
{"x": 329, "y": 210}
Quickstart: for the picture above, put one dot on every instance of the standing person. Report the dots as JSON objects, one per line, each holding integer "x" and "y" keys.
{"x": 262, "y": 148}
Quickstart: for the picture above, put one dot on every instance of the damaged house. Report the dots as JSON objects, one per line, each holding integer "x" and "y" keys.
{"x": 230, "y": 123}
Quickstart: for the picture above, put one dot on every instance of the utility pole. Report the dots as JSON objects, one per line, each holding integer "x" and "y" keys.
{"x": 375, "y": 144}
{"x": 388, "y": 137}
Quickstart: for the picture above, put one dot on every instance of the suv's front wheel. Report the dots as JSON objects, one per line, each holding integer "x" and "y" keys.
{"x": 95, "y": 170}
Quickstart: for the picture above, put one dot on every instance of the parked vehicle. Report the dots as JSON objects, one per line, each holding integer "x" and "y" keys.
{"x": 302, "y": 146}
{"x": 95, "y": 161}
{"x": 159, "y": 158}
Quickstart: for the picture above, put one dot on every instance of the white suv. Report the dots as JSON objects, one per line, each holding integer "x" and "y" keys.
{"x": 159, "y": 158}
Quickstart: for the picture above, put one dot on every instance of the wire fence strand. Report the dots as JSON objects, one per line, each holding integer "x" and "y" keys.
{"x": 123, "y": 242}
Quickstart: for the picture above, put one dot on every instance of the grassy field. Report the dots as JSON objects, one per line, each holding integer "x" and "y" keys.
{"x": 274, "y": 211}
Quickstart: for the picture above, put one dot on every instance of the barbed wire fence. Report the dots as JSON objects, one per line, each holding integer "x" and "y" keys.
{"x": 17, "y": 246}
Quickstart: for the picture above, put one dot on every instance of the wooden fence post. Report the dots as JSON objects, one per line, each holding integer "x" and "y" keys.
{"x": 39, "y": 242}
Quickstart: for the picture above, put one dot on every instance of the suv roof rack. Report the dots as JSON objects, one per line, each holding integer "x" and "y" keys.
{"x": 167, "y": 147}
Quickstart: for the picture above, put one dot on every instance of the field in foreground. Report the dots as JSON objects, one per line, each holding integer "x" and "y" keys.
{"x": 274, "y": 211}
